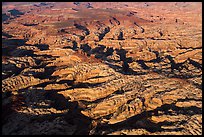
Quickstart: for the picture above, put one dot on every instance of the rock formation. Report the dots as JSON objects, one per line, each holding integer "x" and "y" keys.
{"x": 106, "y": 68}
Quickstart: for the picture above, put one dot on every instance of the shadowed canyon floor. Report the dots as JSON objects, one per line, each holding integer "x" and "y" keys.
{"x": 101, "y": 68}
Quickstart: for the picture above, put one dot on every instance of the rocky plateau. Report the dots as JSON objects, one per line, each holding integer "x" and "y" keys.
{"x": 101, "y": 68}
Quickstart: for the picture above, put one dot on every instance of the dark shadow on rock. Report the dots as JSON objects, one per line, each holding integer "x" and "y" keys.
{"x": 85, "y": 47}
{"x": 77, "y": 3}
{"x": 10, "y": 70}
{"x": 174, "y": 65}
{"x": 22, "y": 53}
{"x": 195, "y": 64}
{"x": 78, "y": 26}
{"x": 158, "y": 58}
{"x": 85, "y": 85}
{"x": 102, "y": 52}
{"x": 141, "y": 120}
{"x": 73, "y": 116}
{"x": 122, "y": 53}
{"x": 88, "y": 6}
{"x": 5, "y": 17}
{"x": 9, "y": 45}
{"x": 42, "y": 46}
{"x": 142, "y": 64}
{"x": 109, "y": 51}
{"x": 129, "y": 71}
{"x": 103, "y": 33}
{"x": 59, "y": 101}
{"x": 48, "y": 72}
{"x": 15, "y": 12}
{"x": 74, "y": 46}
{"x": 31, "y": 24}
{"x": 16, "y": 42}
{"x": 99, "y": 49}
{"x": 6, "y": 35}
{"x": 41, "y": 4}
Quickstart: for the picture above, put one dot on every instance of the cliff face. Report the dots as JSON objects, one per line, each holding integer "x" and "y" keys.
{"x": 102, "y": 68}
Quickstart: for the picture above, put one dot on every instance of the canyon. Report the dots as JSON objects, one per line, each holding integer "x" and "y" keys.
{"x": 101, "y": 68}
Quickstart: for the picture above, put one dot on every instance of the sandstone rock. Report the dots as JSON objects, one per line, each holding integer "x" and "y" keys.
{"x": 183, "y": 57}
{"x": 56, "y": 86}
{"x": 20, "y": 82}
{"x": 23, "y": 62}
{"x": 81, "y": 47}
{"x": 32, "y": 72}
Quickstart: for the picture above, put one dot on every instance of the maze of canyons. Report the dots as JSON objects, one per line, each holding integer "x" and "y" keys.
{"x": 131, "y": 68}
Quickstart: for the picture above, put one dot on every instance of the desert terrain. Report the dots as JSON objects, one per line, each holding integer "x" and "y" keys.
{"x": 101, "y": 68}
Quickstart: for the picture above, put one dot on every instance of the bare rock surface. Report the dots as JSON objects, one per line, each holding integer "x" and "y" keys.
{"x": 123, "y": 68}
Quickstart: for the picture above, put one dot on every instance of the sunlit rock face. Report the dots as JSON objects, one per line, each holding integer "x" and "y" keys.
{"x": 101, "y": 68}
